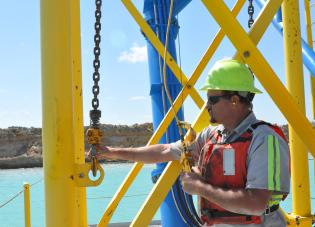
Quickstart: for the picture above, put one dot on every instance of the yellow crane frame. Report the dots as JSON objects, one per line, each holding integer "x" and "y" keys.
{"x": 64, "y": 168}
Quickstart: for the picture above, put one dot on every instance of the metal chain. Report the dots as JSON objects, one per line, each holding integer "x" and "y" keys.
{"x": 94, "y": 133}
{"x": 95, "y": 114}
{"x": 250, "y": 13}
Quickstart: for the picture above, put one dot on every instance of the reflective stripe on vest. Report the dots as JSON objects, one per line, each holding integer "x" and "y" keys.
{"x": 273, "y": 163}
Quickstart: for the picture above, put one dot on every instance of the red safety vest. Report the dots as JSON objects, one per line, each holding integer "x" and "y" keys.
{"x": 212, "y": 169}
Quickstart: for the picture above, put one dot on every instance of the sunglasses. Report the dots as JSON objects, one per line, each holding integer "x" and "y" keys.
{"x": 216, "y": 98}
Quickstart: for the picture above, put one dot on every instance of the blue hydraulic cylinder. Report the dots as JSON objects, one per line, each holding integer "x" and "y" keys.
{"x": 307, "y": 52}
{"x": 156, "y": 14}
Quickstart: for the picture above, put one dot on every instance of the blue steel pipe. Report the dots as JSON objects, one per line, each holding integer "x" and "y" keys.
{"x": 307, "y": 52}
{"x": 178, "y": 6}
{"x": 156, "y": 14}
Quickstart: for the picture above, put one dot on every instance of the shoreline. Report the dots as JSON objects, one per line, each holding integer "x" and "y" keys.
{"x": 23, "y": 161}
{"x": 21, "y": 147}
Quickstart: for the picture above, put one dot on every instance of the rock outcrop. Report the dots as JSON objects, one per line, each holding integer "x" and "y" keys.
{"x": 22, "y": 147}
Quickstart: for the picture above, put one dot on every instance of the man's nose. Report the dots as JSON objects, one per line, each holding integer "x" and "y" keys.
{"x": 208, "y": 106}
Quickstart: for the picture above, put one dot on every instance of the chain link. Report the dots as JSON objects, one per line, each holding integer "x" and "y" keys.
{"x": 250, "y": 13}
{"x": 95, "y": 114}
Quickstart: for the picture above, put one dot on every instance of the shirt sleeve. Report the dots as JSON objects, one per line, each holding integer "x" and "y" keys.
{"x": 268, "y": 162}
{"x": 195, "y": 148}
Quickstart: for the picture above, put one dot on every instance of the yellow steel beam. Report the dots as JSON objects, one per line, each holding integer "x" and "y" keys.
{"x": 166, "y": 180}
{"x": 263, "y": 71}
{"x": 158, "y": 194}
{"x": 145, "y": 28}
{"x": 295, "y": 83}
{"x": 58, "y": 119}
{"x": 168, "y": 118}
{"x": 310, "y": 43}
{"x": 110, "y": 209}
{"x": 27, "y": 205}
{"x": 286, "y": 217}
{"x": 261, "y": 23}
{"x": 297, "y": 220}
{"x": 78, "y": 129}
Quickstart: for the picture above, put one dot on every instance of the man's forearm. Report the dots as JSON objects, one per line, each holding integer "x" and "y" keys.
{"x": 242, "y": 201}
{"x": 147, "y": 154}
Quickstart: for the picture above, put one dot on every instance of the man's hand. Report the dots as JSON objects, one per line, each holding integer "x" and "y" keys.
{"x": 190, "y": 181}
{"x": 102, "y": 152}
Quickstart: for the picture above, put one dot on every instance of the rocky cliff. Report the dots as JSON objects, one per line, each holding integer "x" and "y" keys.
{"x": 22, "y": 147}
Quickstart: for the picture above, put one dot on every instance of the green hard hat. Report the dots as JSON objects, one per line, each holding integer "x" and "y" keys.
{"x": 230, "y": 75}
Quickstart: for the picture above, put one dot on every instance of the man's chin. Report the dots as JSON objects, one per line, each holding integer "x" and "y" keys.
{"x": 213, "y": 120}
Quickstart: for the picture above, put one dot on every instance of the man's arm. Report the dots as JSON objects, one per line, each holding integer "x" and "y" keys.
{"x": 153, "y": 153}
{"x": 241, "y": 201}
{"x": 148, "y": 154}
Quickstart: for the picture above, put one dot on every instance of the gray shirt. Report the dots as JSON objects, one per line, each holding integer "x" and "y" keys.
{"x": 268, "y": 161}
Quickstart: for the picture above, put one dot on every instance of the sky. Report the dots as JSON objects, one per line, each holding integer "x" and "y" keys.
{"x": 124, "y": 86}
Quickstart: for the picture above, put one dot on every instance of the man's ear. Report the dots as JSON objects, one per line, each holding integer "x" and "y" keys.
{"x": 235, "y": 99}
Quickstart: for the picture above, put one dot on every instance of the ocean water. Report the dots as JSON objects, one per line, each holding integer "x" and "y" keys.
{"x": 11, "y": 182}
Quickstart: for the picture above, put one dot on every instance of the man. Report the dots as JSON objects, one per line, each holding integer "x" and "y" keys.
{"x": 242, "y": 167}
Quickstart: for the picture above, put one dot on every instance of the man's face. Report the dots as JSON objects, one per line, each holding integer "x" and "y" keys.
{"x": 219, "y": 106}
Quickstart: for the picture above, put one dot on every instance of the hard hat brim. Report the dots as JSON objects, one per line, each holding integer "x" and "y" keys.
{"x": 207, "y": 87}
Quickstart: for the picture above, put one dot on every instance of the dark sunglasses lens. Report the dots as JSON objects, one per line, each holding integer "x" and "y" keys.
{"x": 213, "y": 99}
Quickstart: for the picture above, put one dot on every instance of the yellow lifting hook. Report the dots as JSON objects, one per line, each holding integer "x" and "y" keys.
{"x": 94, "y": 138}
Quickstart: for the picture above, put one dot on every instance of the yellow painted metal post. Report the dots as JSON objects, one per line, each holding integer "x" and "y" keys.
{"x": 62, "y": 197}
{"x": 27, "y": 205}
{"x": 295, "y": 84}
{"x": 80, "y": 192}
